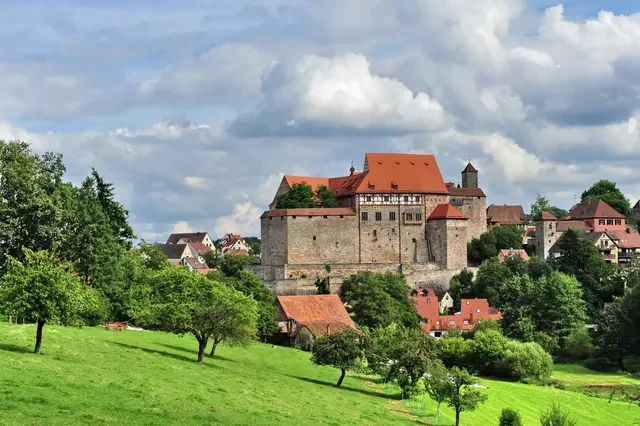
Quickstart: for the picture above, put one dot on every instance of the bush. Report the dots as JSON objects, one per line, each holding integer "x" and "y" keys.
{"x": 487, "y": 350}
{"x": 528, "y": 361}
{"x": 556, "y": 417}
{"x": 510, "y": 417}
{"x": 454, "y": 351}
{"x": 578, "y": 345}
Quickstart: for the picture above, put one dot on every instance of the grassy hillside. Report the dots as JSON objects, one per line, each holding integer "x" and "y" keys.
{"x": 92, "y": 376}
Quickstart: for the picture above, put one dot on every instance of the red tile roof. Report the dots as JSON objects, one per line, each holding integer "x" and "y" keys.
{"x": 201, "y": 248}
{"x": 590, "y": 209}
{"x": 505, "y": 214}
{"x": 319, "y": 313}
{"x": 193, "y": 237}
{"x": 564, "y": 225}
{"x": 446, "y": 211}
{"x": 466, "y": 192}
{"x": 201, "y": 268}
{"x": 336, "y": 211}
{"x": 504, "y": 253}
{"x": 427, "y": 306}
{"x": 314, "y": 182}
{"x": 545, "y": 215}
{"x": 629, "y": 239}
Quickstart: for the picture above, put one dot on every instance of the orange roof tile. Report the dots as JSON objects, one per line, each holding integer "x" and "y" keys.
{"x": 446, "y": 211}
{"x": 466, "y": 192}
{"x": 505, "y": 214}
{"x": 545, "y": 215}
{"x": 314, "y": 182}
{"x": 504, "y": 253}
{"x": 317, "y": 312}
{"x": 590, "y": 209}
{"x": 563, "y": 225}
{"x": 201, "y": 248}
{"x": 629, "y": 239}
{"x": 335, "y": 211}
{"x": 410, "y": 172}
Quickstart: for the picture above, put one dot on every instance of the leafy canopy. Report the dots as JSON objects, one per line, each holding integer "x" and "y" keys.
{"x": 542, "y": 204}
{"x": 302, "y": 196}
{"x": 490, "y": 243}
{"x": 339, "y": 350}
{"x": 608, "y": 192}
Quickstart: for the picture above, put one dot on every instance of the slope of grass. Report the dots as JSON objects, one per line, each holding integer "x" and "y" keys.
{"x": 93, "y": 376}
{"x": 532, "y": 400}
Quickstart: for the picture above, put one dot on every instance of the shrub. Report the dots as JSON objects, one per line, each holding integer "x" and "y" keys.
{"x": 528, "y": 361}
{"x": 486, "y": 350}
{"x": 556, "y": 417}
{"x": 454, "y": 351}
{"x": 578, "y": 345}
{"x": 510, "y": 417}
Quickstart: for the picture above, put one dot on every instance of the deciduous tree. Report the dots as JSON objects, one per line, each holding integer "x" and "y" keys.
{"x": 339, "y": 350}
{"x": 542, "y": 204}
{"x": 437, "y": 384}
{"x": 608, "y": 192}
{"x": 326, "y": 197}
{"x": 300, "y": 196}
{"x": 462, "y": 395}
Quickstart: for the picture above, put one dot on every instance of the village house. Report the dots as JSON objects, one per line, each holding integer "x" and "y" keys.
{"x": 506, "y": 215}
{"x": 192, "y": 237}
{"x": 194, "y": 264}
{"x": 628, "y": 243}
{"x": 233, "y": 244}
{"x": 604, "y": 241}
{"x": 396, "y": 215}
{"x": 303, "y": 318}
{"x": 505, "y": 253}
{"x": 176, "y": 252}
{"x": 437, "y": 325}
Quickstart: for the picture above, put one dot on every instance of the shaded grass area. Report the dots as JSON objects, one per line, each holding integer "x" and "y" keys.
{"x": 93, "y": 376}
{"x": 532, "y": 400}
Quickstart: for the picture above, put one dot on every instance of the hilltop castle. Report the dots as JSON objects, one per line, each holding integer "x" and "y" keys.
{"x": 397, "y": 214}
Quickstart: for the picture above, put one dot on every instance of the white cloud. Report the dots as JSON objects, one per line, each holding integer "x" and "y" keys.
{"x": 198, "y": 182}
{"x": 245, "y": 220}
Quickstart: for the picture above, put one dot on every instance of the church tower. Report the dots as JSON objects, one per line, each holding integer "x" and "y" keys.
{"x": 546, "y": 234}
{"x": 470, "y": 177}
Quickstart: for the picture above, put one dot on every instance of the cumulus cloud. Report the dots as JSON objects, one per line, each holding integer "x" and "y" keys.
{"x": 338, "y": 93}
{"x": 244, "y": 220}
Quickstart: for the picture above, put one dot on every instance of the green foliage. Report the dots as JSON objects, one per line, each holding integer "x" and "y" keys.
{"x": 378, "y": 300}
{"x": 152, "y": 256}
{"x": 490, "y": 243}
{"x": 325, "y": 197}
{"x": 462, "y": 396}
{"x": 488, "y": 279}
{"x": 213, "y": 259}
{"x": 323, "y": 285}
{"x": 42, "y": 289}
{"x": 608, "y": 192}
{"x": 578, "y": 345}
{"x": 542, "y": 204}
{"x": 528, "y": 361}
{"x": 300, "y": 196}
{"x": 510, "y": 417}
{"x": 555, "y": 416}
{"x": 250, "y": 285}
{"x": 455, "y": 351}
{"x": 537, "y": 267}
{"x": 231, "y": 264}
{"x": 486, "y": 350}
{"x": 255, "y": 245}
{"x": 437, "y": 384}
{"x": 339, "y": 350}
{"x": 185, "y": 302}
{"x": 461, "y": 286}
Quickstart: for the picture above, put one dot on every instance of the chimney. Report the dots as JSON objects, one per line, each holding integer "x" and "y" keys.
{"x": 471, "y": 318}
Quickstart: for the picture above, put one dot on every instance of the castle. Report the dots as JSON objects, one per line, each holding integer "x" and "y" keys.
{"x": 398, "y": 214}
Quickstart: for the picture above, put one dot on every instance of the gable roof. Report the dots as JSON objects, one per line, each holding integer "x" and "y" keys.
{"x": 545, "y": 215}
{"x": 172, "y": 251}
{"x": 427, "y": 306}
{"x": 466, "y": 192}
{"x": 193, "y": 237}
{"x": 590, "y": 209}
{"x": 564, "y": 225}
{"x": 316, "y": 312}
{"x": 505, "y": 214}
{"x": 446, "y": 211}
{"x": 409, "y": 172}
{"x": 201, "y": 268}
{"x": 504, "y": 253}
{"x": 201, "y": 248}
{"x": 626, "y": 239}
{"x": 592, "y": 237}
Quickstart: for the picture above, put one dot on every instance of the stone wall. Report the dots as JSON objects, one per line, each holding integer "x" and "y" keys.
{"x": 475, "y": 208}
{"x": 322, "y": 239}
{"x": 274, "y": 240}
{"x": 380, "y": 239}
{"x": 546, "y": 236}
{"x": 456, "y": 244}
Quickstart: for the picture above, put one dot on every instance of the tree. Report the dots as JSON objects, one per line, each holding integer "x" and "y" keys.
{"x": 542, "y": 204}
{"x": 528, "y": 361}
{"x": 300, "y": 196}
{"x": 339, "y": 350}
{"x": 608, "y": 192}
{"x": 556, "y": 417}
{"x": 213, "y": 259}
{"x": 115, "y": 212}
{"x": 325, "y": 197}
{"x": 184, "y": 302}
{"x": 254, "y": 245}
{"x": 487, "y": 349}
{"x": 537, "y": 267}
{"x": 510, "y": 417}
{"x": 461, "y": 286}
{"x": 378, "y": 300}
{"x": 490, "y": 243}
{"x": 152, "y": 256}
{"x": 462, "y": 396}
{"x": 323, "y": 285}
{"x": 488, "y": 279}
{"x": 250, "y": 285}
{"x": 43, "y": 289}
{"x": 436, "y": 384}
{"x": 232, "y": 264}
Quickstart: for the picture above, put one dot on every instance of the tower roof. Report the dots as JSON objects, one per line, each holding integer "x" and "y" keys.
{"x": 446, "y": 211}
{"x": 545, "y": 215}
{"x": 469, "y": 168}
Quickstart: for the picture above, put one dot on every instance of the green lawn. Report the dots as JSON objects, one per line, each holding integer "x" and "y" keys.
{"x": 93, "y": 376}
{"x": 531, "y": 400}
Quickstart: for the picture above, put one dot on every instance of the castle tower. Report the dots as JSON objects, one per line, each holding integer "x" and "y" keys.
{"x": 470, "y": 176}
{"x": 447, "y": 237}
{"x": 546, "y": 234}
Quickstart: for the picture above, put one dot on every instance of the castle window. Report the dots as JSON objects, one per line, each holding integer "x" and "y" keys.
{"x": 393, "y": 230}
{"x": 392, "y": 215}
{"x": 336, "y": 244}
{"x": 551, "y": 226}
{"x": 378, "y": 215}
{"x": 369, "y": 198}
{"x": 311, "y": 217}
{"x": 406, "y": 198}
{"x": 364, "y": 216}
{"x": 609, "y": 221}
{"x": 341, "y": 216}
{"x": 394, "y": 186}
{"x": 270, "y": 218}
{"x": 314, "y": 238}
{"x": 418, "y": 216}
{"x": 375, "y": 233}
{"x": 618, "y": 222}
{"x": 325, "y": 217}
{"x": 293, "y": 217}
{"x": 386, "y": 198}
{"x": 600, "y": 222}
{"x": 413, "y": 240}
{"x": 407, "y": 216}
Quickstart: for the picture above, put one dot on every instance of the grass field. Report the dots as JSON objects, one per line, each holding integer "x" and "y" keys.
{"x": 92, "y": 376}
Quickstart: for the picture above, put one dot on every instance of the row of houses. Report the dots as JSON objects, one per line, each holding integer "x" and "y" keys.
{"x": 189, "y": 249}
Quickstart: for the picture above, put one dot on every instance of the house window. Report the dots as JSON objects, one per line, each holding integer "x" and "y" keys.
{"x": 372, "y": 187}
{"x": 477, "y": 311}
{"x": 452, "y": 322}
{"x": 550, "y": 226}
{"x": 394, "y": 186}
{"x": 466, "y": 322}
{"x": 364, "y": 216}
{"x": 437, "y": 322}
{"x": 417, "y": 198}
{"x": 392, "y": 215}
{"x": 408, "y": 216}
{"x": 428, "y": 301}
{"x": 618, "y": 221}
{"x": 609, "y": 221}
{"x": 369, "y": 198}
{"x": 386, "y": 198}
{"x": 378, "y": 215}
{"x": 406, "y": 198}
{"x": 601, "y": 222}
{"x": 418, "y": 217}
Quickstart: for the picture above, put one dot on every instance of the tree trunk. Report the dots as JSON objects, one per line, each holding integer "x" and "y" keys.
{"x": 202, "y": 346}
{"x": 39, "y": 337}
{"x": 213, "y": 348}
{"x": 341, "y": 377}
{"x": 457, "y": 418}
{"x": 438, "y": 414}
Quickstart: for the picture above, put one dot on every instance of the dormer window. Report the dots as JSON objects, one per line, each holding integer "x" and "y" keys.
{"x": 394, "y": 185}
{"x": 372, "y": 187}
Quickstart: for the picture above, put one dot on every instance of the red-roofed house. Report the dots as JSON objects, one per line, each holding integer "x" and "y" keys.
{"x": 505, "y": 215}
{"x": 318, "y": 314}
{"x": 191, "y": 237}
{"x": 233, "y": 244}
{"x": 505, "y": 253}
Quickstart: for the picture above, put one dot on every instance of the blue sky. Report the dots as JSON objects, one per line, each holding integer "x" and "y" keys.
{"x": 195, "y": 109}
